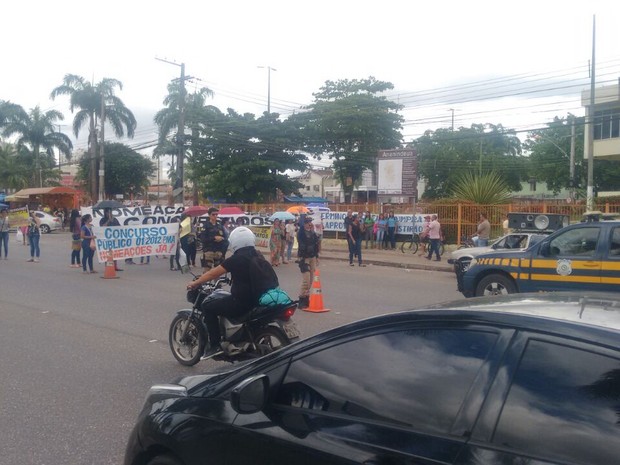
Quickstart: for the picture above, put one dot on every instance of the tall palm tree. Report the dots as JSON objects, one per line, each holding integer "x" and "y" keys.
{"x": 37, "y": 132}
{"x": 167, "y": 119}
{"x": 93, "y": 103}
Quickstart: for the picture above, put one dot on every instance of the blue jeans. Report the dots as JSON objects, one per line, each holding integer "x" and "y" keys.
{"x": 4, "y": 240}
{"x": 434, "y": 248}
{"x": 483, "y": 242}
{"x": 87, "y": 257}
{"x": 392, "y": 237}
{"x": 355, "y": 248}
{"x": 289, "y": 250}
{"x": 35, "y": 251}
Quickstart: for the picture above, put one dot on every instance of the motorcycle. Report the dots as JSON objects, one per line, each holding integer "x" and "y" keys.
{"x": 263, "y": 330}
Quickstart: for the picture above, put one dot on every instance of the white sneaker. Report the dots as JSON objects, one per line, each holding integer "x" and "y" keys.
{"x": 36, "y": 260}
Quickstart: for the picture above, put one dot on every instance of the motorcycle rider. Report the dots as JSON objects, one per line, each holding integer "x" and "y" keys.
{"x": 242, "y": 298}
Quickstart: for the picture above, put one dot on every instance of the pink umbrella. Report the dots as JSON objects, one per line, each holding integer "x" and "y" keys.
{"x": 196, "y": 210}
{"x": 231, "y": 211}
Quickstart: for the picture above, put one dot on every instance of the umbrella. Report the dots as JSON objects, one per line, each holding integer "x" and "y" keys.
{"x": 282, "y": 216}
{"x": 109, "y": 204}
{"x": 196, "y": 210}
{"x": 298, "y": 209}
{"x": 231, "y": 211}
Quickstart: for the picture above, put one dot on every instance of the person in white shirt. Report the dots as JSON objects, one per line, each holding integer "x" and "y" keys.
{"x": 434, "y": 234}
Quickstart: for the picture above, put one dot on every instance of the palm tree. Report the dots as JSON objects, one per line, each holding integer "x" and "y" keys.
{"x": 195, "y": 118}
{"x": 94, "y": 103}
{"x": 8, "y": 111}
{"x": 36, "y": 131}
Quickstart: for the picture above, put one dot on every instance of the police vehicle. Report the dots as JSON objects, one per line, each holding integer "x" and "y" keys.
{"x": 582, "y": 256}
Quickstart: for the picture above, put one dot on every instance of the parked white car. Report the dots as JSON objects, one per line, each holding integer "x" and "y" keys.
{"x": 49, "y": 223}
{"x": 513, "y": 241}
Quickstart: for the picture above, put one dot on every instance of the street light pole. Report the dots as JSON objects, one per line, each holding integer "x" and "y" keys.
{"x": 590, "y": 126}
{"x": 452, "y": 110}
{"x": 269, "y": 70}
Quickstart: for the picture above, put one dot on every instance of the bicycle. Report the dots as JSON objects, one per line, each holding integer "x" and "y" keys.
{"x": 415, "y": 243}
{"x": 411, "y": 245}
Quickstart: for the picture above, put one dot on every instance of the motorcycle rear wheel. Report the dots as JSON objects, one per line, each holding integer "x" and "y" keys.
{"x": 189, "y": 348}
{"x": 268, "y": 340}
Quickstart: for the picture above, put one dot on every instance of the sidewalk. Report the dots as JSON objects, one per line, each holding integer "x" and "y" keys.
{"x": 337, "y": 249}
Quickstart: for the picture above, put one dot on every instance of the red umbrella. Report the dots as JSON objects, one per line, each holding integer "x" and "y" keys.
{"x": 231, "y": 211}
{"x": 196, "y": 210}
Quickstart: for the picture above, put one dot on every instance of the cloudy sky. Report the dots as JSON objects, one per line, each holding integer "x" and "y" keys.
{"x": 515, "y": 63}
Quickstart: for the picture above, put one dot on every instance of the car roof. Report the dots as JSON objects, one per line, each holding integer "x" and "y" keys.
{"x": 589, "y": 308}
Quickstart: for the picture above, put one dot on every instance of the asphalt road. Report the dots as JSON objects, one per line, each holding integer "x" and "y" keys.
{"x": 79, "y": 352}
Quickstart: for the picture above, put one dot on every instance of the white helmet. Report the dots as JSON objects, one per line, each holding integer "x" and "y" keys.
{"x": 241, "y": 237}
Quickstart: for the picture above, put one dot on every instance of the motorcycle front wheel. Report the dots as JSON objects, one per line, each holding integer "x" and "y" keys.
{"x": 268, "y": 340}
{"x": 187, "y": 340}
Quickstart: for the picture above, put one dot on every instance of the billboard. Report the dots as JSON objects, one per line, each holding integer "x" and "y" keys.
{"x": 397, "y": 172}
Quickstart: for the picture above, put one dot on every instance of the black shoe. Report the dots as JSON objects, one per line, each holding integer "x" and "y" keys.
{"x": 118, "y": 269}
{"x": 428, "y": 258}
{"x": 361, "y": 264}
{"x": 438, "y": 259}
{"x": 304, "y": 302}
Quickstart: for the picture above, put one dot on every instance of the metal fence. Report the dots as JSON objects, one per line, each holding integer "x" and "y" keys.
{"x": 457, "y": 220}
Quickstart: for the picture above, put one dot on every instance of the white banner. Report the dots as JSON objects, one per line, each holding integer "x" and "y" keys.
{"x": 135, "y": 241}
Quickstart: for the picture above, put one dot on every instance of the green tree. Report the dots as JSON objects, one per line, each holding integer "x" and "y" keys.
{"x": 349, "y": 122}
{"x": 13, "y": 172}
{"x": 127, "y": 171}
{"x": 94, "y": 102}
{"x": 549, "y": 150}
{"x": 36, "y": 131}
{"x": 242, "y": 158}
{"x": 444, "y": 154}
{"x": 196, "y": 118}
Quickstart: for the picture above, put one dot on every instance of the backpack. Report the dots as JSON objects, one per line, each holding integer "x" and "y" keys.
{"x": 262, "y": 276}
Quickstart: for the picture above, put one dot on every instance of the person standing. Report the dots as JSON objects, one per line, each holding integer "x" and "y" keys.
{"x": 185, "y": 233}
{"x": 308, "y": 246}
{"x": 381, "y": 231}
{"x": 347, "y": 221}
{"x": 75, "y": 226}
{"x": 369, "y": 226}
{"x": 214, "y": 242}
{"x": 109, "y": 220}
{"x": 355, "y": 236}
{"x": 506, "y": 225}
{"x": 87, "y": 235}
{"x": 483, "y": 231}
{"x": 434, "y": 234}
{"x": 392, "y": 225}
{"x": 275, "y": 242}
{"x": 4, "y": 233}
{"x": 291, "y": 231}
{"x": 34, "y": 235}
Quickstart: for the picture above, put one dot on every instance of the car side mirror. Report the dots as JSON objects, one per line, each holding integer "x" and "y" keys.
{"x": 250, "y": 396}
{"x": 544, "y": 249}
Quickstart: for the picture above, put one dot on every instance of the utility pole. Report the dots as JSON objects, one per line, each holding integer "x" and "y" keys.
{"x": 101, "y": 152}
{"x": 269, "y": 69}
{"x": 572, "y": 160}
{"x": 177, "y": 190}
{"x": 590, "y": 187}
{"x": 452, "y": 110}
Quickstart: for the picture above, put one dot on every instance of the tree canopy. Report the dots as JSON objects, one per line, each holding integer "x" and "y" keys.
{"x": 443, "y": 155}
{"x": 349, "y": 122}
{"x": 127, "y": 171}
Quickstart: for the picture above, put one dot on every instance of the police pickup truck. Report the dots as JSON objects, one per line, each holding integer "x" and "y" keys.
{"x": 582, "y": 256}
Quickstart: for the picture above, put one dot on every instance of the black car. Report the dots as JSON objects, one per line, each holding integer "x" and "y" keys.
{"x": 520, "y": 379}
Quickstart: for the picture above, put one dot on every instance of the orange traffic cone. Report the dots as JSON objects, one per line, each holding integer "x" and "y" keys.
{"x": 316, "y": 296}
{"x": 110, "y": 269}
